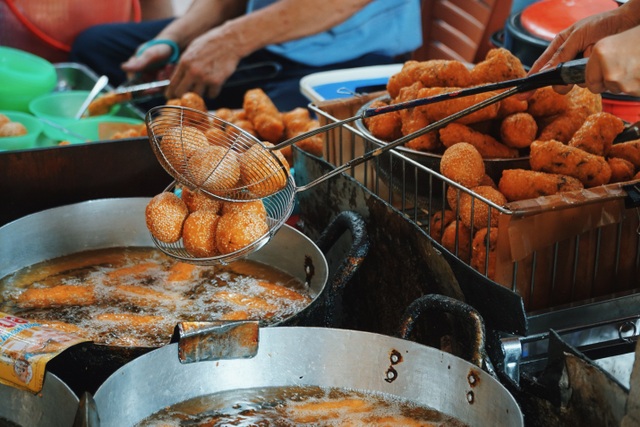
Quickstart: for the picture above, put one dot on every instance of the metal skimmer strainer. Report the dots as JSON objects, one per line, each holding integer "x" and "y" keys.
{"x": 200, "y": 150}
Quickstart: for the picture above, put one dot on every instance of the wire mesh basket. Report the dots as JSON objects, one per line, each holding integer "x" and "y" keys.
{"x": 552, "y": 251}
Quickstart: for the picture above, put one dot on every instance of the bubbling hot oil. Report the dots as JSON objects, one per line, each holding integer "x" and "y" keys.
{"x": 299, "y": 406}
{"x": 141, "y": 294}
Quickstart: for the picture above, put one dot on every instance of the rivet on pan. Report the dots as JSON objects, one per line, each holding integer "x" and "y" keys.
{"x": 395, "y": 357}
{"x": 473, "y": 378}
{"x": 470, "y": 397}
{"x": 391, "y": 376}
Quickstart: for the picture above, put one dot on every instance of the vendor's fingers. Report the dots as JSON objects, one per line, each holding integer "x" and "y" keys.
{"x": 156, "y": 54}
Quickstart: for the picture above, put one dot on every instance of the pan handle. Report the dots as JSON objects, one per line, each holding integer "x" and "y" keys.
{"x": 434, "y": 303}
{"x": 341, "y": 274}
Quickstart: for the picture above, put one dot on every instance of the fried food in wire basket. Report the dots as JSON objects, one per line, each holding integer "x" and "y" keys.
{"x": 555, "y": 157}
{"x": 165, "y": 214}
{"x": 522, "y": 184}
{"x": 629, "y": 150}
{"x": 264, "y": 115}
{"x": 487, "y": 146}
{"x": 597, "y": 133}
{"x": 463, "y": 164}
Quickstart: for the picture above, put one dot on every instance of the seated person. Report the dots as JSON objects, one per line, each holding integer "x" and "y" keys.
{"x": 225, "y": 47}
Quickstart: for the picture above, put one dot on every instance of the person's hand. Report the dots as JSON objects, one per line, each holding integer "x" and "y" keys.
{"x": 206, "y": 64}
{"x": 614, "y": 64}
{"x": 150, "y": 62}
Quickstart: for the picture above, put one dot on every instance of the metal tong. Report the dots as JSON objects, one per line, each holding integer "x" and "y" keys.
{"x": 571, "y": 72}
{"x": 243, "y": 75}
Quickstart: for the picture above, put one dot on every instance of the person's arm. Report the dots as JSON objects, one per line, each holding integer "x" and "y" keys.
{"x": 212, "y": 57}
{"x": 201, "y": 16}
{"x": 582, "y": 37}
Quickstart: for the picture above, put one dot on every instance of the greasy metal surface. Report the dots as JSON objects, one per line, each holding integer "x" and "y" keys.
{"x": 120, "y": 223}
{"x": 54, "y": 406}
{"x": 403, "y": 263}
{"x": 199, "y": 341}
{"x": 298, "y": 356}
{"x": 469, "y": 339}
{"x": 571, "y": 391}
{"x": 351, "y": 222}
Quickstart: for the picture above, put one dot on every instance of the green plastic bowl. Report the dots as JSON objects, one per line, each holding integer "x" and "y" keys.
{"x": 23, "y": 77}
{"x": 61, "y": 107}
{"x": 34, "y": 129}
{"x": 86, "y": 130}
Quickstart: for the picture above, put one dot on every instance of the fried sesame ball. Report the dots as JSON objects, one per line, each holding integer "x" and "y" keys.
{"x": 480, "y": 216}
{"x": 254, "y": 207}
{"x": 197, "y": 200}
{"x": 179, "y": 144}
{"x": 165, "y": 214}
{"x": 237, "y": 230}
{"x": 215, "y": 169}
{"x": 13, "y": 129}
{"x": 261, "y": 172}
{"x": 463, "y": 164}
{"x": 199, "y": 233}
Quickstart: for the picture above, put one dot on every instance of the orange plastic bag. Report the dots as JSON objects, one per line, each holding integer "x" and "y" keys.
{"x": 47, "y": 28}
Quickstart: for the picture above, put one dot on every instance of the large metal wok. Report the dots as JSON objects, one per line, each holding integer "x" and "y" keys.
{"x": 120, "y": 223}
{"x": 306, "y": 356}
{"x": 54, "y": 406}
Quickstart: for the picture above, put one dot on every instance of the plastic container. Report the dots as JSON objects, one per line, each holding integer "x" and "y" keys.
{"x": 34, "y": 129}
{"x": 23, "y": 77}
{"x": 61, "y": 107}
{"x": 90, "y": 129}
{"x": 624, "y": 106}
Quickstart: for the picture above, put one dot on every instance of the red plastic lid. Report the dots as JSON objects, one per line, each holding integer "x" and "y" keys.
{"x": 547, "y": 18}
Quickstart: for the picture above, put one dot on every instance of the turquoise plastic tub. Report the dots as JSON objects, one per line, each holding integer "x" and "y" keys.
{"x": 23, "y": 142}
{"x": 23, "y": 77}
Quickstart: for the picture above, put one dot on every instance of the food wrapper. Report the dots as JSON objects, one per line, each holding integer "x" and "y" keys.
{"x": 550, "y": 242}
{"x": 25, "y": 349}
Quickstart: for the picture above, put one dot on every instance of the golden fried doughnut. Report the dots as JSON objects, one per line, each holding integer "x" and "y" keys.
{"x": 522, "y": 184}
{"x": 263, "y": 114}
{"x": 499, "y": 65}
{"x": 199, "y": 233}
{"x": 518, "y": 130}
{"x": 597, "y": 133}
{"x": 4, "y": 119}
{"x": 254, "y": 207}
{"x": 547, "y": 102}
{"x": 439, "y": 222}
{"x": 463, "y": 164}
{"x": 261, "y": 172}
{"x": 165, "y": 215}
{"x": 480, "y": 215}
{"x": 237, "y": 230}
{"x": 387, "y": 126}
{"x": 487, "y": 146}
{"x": 179, "y": 143}
{"x": 197, "y": 200}
{"x": 13, "y": 129}
{"x": 214, "y": 168}
{"x": 217, "y": 136}
{"x": 193, "y": 100}
{"x": 621, "y": 170}
{"x": 556, "y": 157}
{"x": 479, "y": 259}
{"x": 564, "y": 125}
{"x": 456, "y": 238}
{"x": 629, "y": 150}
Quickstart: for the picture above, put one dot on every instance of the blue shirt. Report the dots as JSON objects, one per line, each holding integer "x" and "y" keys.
{"x": 387, "y": 27}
